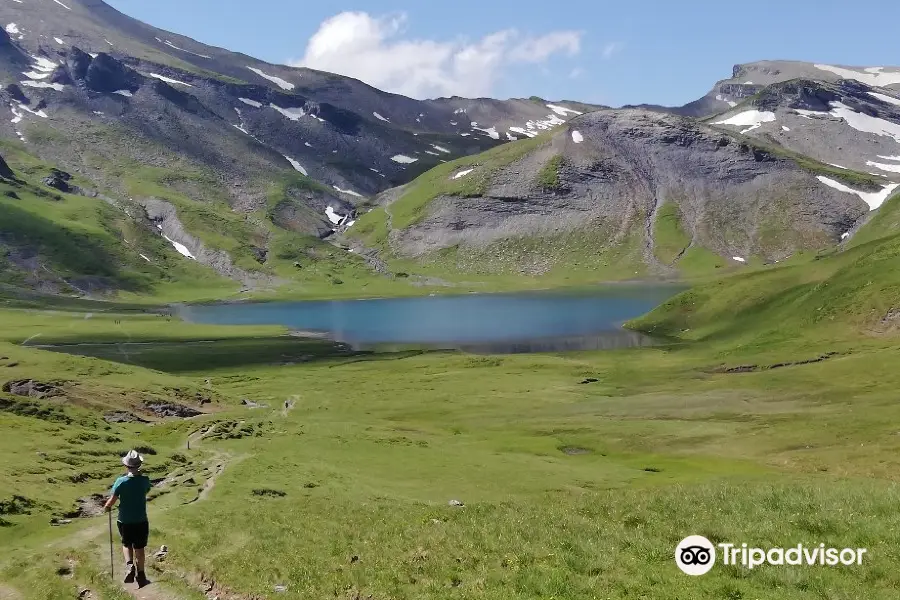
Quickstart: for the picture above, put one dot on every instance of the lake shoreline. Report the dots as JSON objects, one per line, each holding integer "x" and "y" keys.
{"x": 581, "y": 288}
{"x": 582, "y": 318}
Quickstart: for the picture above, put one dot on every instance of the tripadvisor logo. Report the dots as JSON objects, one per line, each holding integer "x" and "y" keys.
{"x": 696, "y": 555}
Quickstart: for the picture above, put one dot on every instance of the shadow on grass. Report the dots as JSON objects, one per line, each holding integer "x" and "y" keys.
{"x": 15, "y": 297}
{"x": 180, "y": 356}
{"x": 67, "y": 250}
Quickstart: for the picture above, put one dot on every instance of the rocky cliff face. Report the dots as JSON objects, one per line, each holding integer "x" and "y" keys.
{"x": 88, "y": 58}
{"x": 612, "y": 174}
{"x": 748, "y": 79}
{"x": 846, "y": 124}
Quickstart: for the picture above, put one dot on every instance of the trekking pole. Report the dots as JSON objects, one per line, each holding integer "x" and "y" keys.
{"x": 111, "y": 575}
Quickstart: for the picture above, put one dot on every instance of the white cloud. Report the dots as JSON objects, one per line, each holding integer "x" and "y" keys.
{"x": 374, "y": 50}
{"x": 611, "y": 49}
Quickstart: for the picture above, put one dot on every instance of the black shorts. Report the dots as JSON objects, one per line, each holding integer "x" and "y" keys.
{"x": 134, "y": 535}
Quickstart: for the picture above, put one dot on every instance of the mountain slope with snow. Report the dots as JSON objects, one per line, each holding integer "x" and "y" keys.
{"x": 630, "y": 190}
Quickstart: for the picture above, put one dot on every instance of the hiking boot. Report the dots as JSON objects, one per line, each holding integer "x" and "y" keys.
{"x": 129, "y": 572}
{"x": 142, "y": 579}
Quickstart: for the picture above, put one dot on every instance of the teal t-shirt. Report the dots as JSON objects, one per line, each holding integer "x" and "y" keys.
{"x": 132, "y": 492}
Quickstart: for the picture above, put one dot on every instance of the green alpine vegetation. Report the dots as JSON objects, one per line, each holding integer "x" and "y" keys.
{"x": 767, "y": 418}
{"x": 150, "y": 177}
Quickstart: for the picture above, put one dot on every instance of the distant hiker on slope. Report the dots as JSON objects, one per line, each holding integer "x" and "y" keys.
{"x": 131, "y": 492}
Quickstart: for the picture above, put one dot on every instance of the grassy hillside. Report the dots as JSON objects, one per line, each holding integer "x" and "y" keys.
{"x": 571, "y": 490}
{"x": 837, "y": 301}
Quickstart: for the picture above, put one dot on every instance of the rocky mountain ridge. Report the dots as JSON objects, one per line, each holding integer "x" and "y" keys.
{"x": 242, "y": 166}
{"x": 662, "y": 187}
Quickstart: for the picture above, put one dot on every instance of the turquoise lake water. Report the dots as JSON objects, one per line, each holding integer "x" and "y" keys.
{"x": 519, "y": 322}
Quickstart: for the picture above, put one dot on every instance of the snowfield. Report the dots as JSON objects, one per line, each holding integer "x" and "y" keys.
{"x": 872, "y": 76}
{"x": 296, "y": 165}
{"x": 865, "y": 123}
{"x": 348, "y": 192}
{"x": 293, "y": 114}
{"x": 563, "y": 111}
{"x": 752, "y": 119}
{"x": 181, "y": 248}
{"x": 285, "y": 85}
{"x": 886, "y": 98}
{"x": 873, "y": 199}
{"x": 884, "y": 166}
{"x": 169, "y": 79}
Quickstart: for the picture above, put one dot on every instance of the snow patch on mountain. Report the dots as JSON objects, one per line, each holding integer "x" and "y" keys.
{"x": 873, "y": 199}
{"x": 462, "y": 173}
{"x": 171, "y": 45}
{"x": 873, "y": 76}
{"x": 250, "y": 102}
{"x": 491, "y": 131}
{"x": 886, "y": 98}
{"x": 380, "y": 118}
{"x": 296, "y": 165}
{"x": 577, "y": 137}
{"x": 125, "y": 93}
{"x": 12, "y": 29}
{"x": 865, "y": 123}
{"x": 294, "y": 114}
{"x": 522, "y": 131}
{"x": 43, "y": 64}
{"x": 36, "y": 75}
{"x": 181, "y": 248}
{"x": 403, "y": 159}
{"x": 39, "y": 113}
{"x": 58, "y": 41}
{"x": 563, "y": 111}
{"x": 169, "y": 79}
{"x": 63, "y": 5}
{"x": 752, "y": 119}
{"x": 440, "y": 149}
{"x": 285, "y": 85}
{"x": 883, "y": 166}
{"x": 722, "y": 98}
{"x": 43, "y": 84}
{"x": 335, "y": 217}
{"x": 348, "y": 192}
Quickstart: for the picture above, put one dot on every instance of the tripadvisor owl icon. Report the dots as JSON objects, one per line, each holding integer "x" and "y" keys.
{"x": 695, "y": 555}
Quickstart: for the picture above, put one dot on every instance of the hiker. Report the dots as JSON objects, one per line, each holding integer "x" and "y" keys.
{"x": 131, "y": 492}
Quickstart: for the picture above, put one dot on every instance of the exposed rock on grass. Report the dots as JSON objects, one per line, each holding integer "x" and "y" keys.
{"x": 87, "y": 506}
{"x": 32, "y": 389}
{"x": 121, "y": 416}
{"x": 269, "y": 492}
{"x": 170, "y": 409}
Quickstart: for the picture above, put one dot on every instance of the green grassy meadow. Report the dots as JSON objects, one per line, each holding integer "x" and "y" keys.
{"x": 338, "y": 484}
{"x": 767, "y": 415}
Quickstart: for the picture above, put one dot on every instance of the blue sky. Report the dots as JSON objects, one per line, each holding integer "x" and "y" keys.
{"x": 613, "y": 53}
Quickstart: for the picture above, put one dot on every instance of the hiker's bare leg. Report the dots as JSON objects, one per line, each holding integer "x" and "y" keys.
{"x": 139, "y": 559}
{"x": 129, "y": 555}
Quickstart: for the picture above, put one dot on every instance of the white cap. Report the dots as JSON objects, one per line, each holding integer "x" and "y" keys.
{"x": 132, "y": 459}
